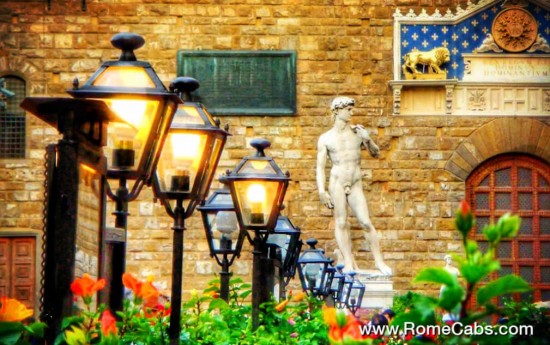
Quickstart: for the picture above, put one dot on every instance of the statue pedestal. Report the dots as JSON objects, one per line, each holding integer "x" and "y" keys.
{"x": 378, "y": 290}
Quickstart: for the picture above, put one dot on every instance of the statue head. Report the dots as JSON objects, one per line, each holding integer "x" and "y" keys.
{"x": 448, "y": 259}
{"x": 340, "y": 103}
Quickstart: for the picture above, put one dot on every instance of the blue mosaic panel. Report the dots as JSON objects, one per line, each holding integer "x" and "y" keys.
{"x": 464, "y": 36}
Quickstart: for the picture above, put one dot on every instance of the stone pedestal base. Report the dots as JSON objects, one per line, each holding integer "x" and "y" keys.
{"x": 378, "y": 290}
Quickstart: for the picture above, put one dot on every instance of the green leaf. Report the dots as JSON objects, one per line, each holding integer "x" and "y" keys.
{"x": 10, "y": 332}
{"x": 451, "y": 296}
{"x": 492, "y": 233}
{"x": 436, "y": 275}
{"x": 503, "y": 285}
{"x": 508, "y": 225}
{"x": 218, "y": 303}
{"x": 36, "y": 329}
{"x": 473, "y": 273}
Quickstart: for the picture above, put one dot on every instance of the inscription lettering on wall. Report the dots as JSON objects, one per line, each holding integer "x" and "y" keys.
{"x": 242, "y": 82}
{"x": 506, "y": 68}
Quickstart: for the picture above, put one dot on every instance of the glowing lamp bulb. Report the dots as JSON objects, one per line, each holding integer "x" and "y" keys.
{"x": 256, "y": 196}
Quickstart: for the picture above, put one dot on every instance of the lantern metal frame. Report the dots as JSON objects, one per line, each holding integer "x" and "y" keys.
{"x": 195, "y": 194}
{"x": 220, "y": 201}
{"x": 315, "y": 256}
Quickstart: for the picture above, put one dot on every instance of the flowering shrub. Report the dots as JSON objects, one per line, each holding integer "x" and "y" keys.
{"x": 475, "y": 266}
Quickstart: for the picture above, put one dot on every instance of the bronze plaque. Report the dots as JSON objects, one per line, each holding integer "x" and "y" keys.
{"x": 242, "y": 82}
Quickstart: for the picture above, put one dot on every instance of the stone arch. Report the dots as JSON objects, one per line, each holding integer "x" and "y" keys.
{"x": 502, "y": 135}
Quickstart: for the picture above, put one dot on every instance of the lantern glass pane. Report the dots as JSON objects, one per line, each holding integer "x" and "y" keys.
{"x": 124, "y": 76}
{"x": 187, "y": 115}
{"x": 224, "y": 229}
{"x": 180, "y": 160}
{"x": 222, "y": 199}
{"x": 313, "y": 274}
{"x": 282, "y": 241}
{"x": 256, "y": 199}
{"x": 257, "y": 166}
{"x": 126, "y": 141}
{"x": 210, "y": 167}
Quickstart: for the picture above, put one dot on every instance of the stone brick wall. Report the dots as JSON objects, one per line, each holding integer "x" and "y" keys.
{"x": 344, "y": 47}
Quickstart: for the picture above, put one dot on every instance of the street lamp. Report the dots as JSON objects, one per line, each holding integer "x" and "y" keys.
{"x": 313, "y": 269}
{"x": 353, "y": 292}
{"x": 221, "y": 227}
{"x": 284, "y": 247}
{"x": 258, "y": 187}
{"x": 337, "y": 286}
{"x": 133, "y": 91}
{"x": 184, "y": 173}
{"x": 75, "y": 170}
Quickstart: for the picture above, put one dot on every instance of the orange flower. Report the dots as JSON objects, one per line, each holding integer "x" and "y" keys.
{"x": 108, "y": 323}
{"x": 281, "y": 306}
{"x": 86, "y": 287}
{"x": 11, "y": 310}
{"x": 299, "y": 297}
{"x": 143, "y": 291}
{"x": 329, "y": 315}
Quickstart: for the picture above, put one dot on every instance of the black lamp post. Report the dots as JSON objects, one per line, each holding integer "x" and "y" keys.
{"x": 337, "y": 286}
{"x": 133, "y": 91}
{"x": 184, "y": 173}
{"x": 225, "y": 241}
{"x": 353, "y": 292}
{"x": 76, "y": 157}
{"x": 283, "y": 247}
{"x": 313, "y": 269}
{"x": 258, "y": 187}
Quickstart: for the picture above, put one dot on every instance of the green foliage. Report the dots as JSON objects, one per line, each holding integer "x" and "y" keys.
{"x": 209, "y": 320}
{"x": 526, "y": 313}
{"x": 454, "y": 299}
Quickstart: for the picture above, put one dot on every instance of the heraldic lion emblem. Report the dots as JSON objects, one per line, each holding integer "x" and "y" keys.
{"x": 432, "y": 59}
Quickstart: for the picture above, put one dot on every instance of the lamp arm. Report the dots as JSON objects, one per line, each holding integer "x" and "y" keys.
{"x": 109, "y": 191}
{"x": 136, "y": 189}
{"x": 167, "y": 207}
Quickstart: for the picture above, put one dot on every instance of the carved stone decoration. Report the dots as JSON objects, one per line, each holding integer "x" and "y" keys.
{"x": 431, "y": 59}
{"x": 487, "y": 45}
{"x": 546, "y": 102}
{"x": 514, "y": 29}
{"x": 476, "y": 100}
{"x": 397, "y": 99}
{"x": 449, "y": 99}
{"x": 540, "y": 44}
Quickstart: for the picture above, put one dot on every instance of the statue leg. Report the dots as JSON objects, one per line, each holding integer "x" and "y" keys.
{"x": 342, "y": 232}
{"x": 358, "y": 204}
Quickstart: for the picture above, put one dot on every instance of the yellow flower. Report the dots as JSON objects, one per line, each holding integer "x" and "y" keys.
{"x": 281, "y": 306}
{"x": 299, "y": 297}
{"x": 11, "y": 310}
{"x": 75, "y": 336}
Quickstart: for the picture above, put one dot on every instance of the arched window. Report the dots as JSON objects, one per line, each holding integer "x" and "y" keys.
{"x": 12, "y": 117}
{"x": 519, "y": 184}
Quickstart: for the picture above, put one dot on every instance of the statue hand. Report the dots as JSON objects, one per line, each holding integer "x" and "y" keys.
{"x": 326, "y": 199}
{"x": 361, "y": 132}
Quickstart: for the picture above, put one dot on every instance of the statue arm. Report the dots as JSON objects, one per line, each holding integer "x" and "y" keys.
{"x": 322, "y": 154}
{"x": 369, "y": 144}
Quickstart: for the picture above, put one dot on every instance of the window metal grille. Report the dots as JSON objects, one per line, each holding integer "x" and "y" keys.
{"x": 12, "y": 120}
{"x": 519, "y": 184}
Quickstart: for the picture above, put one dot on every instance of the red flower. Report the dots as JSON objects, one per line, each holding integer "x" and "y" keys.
{"x": 465, "y": 208}
{"x": 144, "y": 292}
{"x": 464, "y": 220}
{"x": 86, "y": 287}
{"x": 108, "y": 323}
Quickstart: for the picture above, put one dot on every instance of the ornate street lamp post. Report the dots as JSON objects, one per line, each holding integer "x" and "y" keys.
{"x": 133, "y": 91}
{"x": 258, "y": 187}
{"x": 184, "y": 173}
{"x": 225, "y": 240}
{"x": 354, "y": 291}
{"x": 337, "y": 286}
{"x": 75, "y": 158}
{"x": 313, "y": 267}
{"x": 284, "y": 247}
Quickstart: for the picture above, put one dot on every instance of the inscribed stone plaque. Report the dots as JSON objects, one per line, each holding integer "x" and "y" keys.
{"x": 242, "y": 82}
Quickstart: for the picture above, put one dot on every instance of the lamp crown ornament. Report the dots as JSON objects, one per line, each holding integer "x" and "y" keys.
{"x": 312, "y": 242}
{"x": 183, "y": 86}
{"x": 260, "y": 145}
{"x": 127, "y": 42}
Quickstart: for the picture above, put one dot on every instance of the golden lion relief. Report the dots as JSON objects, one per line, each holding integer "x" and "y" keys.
{"x": 432, "y": 59}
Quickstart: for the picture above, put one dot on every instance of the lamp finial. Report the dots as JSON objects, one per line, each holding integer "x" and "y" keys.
{"x": 127, "y": 42}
